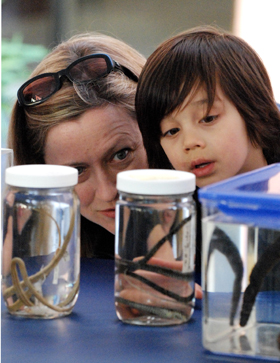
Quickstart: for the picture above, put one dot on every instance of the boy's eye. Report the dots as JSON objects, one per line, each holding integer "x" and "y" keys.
{"x": 209, "y": 119}
{"x": 171, "y": 132}
{"x": 121, "y": 155}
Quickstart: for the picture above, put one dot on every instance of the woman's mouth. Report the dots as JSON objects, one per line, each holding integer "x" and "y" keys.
{"x": 110, "y": 213}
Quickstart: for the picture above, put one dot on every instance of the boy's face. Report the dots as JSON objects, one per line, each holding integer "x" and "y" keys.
{"x": 213, "y": 148}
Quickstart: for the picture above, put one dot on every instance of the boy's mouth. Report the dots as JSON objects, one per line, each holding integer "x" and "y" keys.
{"x": 202, "y": 168}
{"x": 200, "y": 163}
{"x": 198, "y": 166}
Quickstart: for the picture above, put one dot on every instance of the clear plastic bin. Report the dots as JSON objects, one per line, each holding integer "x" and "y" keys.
{"x": 241, "y": 264}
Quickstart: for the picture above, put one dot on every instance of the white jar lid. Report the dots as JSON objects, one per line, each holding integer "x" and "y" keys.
{"x": 41, "y": 176}
{"x": 155, "y": 182}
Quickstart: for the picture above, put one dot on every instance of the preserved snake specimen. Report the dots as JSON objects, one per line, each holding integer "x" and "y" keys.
{"x": 25, "y": 289}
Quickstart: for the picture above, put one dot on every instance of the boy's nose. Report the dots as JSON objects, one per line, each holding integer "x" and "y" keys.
{"x": 192, "y": 140}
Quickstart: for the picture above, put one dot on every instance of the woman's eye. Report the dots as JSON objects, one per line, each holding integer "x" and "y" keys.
{"x": 121, "y": 155}
{"x": 209, "y": 119}
{"x": 171, "y": 132}
{"x": 80, "y": 169}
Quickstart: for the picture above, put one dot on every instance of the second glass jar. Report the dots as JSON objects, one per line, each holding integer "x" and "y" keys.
{"x": 155, "y": 247}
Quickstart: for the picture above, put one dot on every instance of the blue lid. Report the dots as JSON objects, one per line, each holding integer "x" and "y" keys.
{"x": 252, "y": 196}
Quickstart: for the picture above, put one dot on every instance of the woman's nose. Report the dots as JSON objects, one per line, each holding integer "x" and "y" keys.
{"x": 105, "y": 187}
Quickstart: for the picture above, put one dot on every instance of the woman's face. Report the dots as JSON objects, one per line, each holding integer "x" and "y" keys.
{"x": 100, "y": 143}
{"x": 213, "y": 148}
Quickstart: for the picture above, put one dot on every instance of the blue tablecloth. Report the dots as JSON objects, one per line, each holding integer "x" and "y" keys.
{"x": 93, "y": 333}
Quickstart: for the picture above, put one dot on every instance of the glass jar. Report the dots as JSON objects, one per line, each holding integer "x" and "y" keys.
{"x": 41, "y": 241}
{"x": 155, "y": 247}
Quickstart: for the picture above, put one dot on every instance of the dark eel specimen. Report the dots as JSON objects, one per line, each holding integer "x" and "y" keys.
{"x": 222, "y": 243}
{"x": 128, "y": 267}
{"x": 266, "y": 262}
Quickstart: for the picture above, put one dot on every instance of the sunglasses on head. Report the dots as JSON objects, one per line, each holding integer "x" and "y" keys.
{"x": 86, "y": 69}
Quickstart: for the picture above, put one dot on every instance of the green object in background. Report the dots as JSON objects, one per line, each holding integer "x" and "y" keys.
{"x": 18, "y": 60}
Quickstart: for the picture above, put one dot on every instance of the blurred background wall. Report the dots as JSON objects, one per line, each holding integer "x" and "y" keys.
{"x": 143, "y": 23}
{"x": 30, "y": 28}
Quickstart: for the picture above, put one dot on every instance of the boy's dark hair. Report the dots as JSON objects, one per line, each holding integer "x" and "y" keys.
{"x": 205, "y": 56}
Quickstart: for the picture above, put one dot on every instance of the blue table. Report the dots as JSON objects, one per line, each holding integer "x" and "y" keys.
{"x": 92, "y": 333}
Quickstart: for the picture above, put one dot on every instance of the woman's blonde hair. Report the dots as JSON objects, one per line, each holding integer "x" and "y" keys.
{"x": 29, "y": 125}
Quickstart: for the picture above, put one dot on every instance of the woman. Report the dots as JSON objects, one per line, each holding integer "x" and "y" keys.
{"x": 77, "y": 109}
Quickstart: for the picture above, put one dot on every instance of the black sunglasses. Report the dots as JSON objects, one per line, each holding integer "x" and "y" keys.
{"x": 89, "y": 68}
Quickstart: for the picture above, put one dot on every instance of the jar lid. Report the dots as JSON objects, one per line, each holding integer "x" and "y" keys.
{"x": 155, "y": 182}
{"x": 41, "y": 176}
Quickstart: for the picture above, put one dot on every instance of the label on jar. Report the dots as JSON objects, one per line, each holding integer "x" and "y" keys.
{"x": 188, "y": 253}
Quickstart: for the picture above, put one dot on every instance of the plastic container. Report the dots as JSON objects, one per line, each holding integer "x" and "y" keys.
{"x": 155, "y": 247}
{"x": 41, "y": 241}
{"x": 241, "y": 264}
